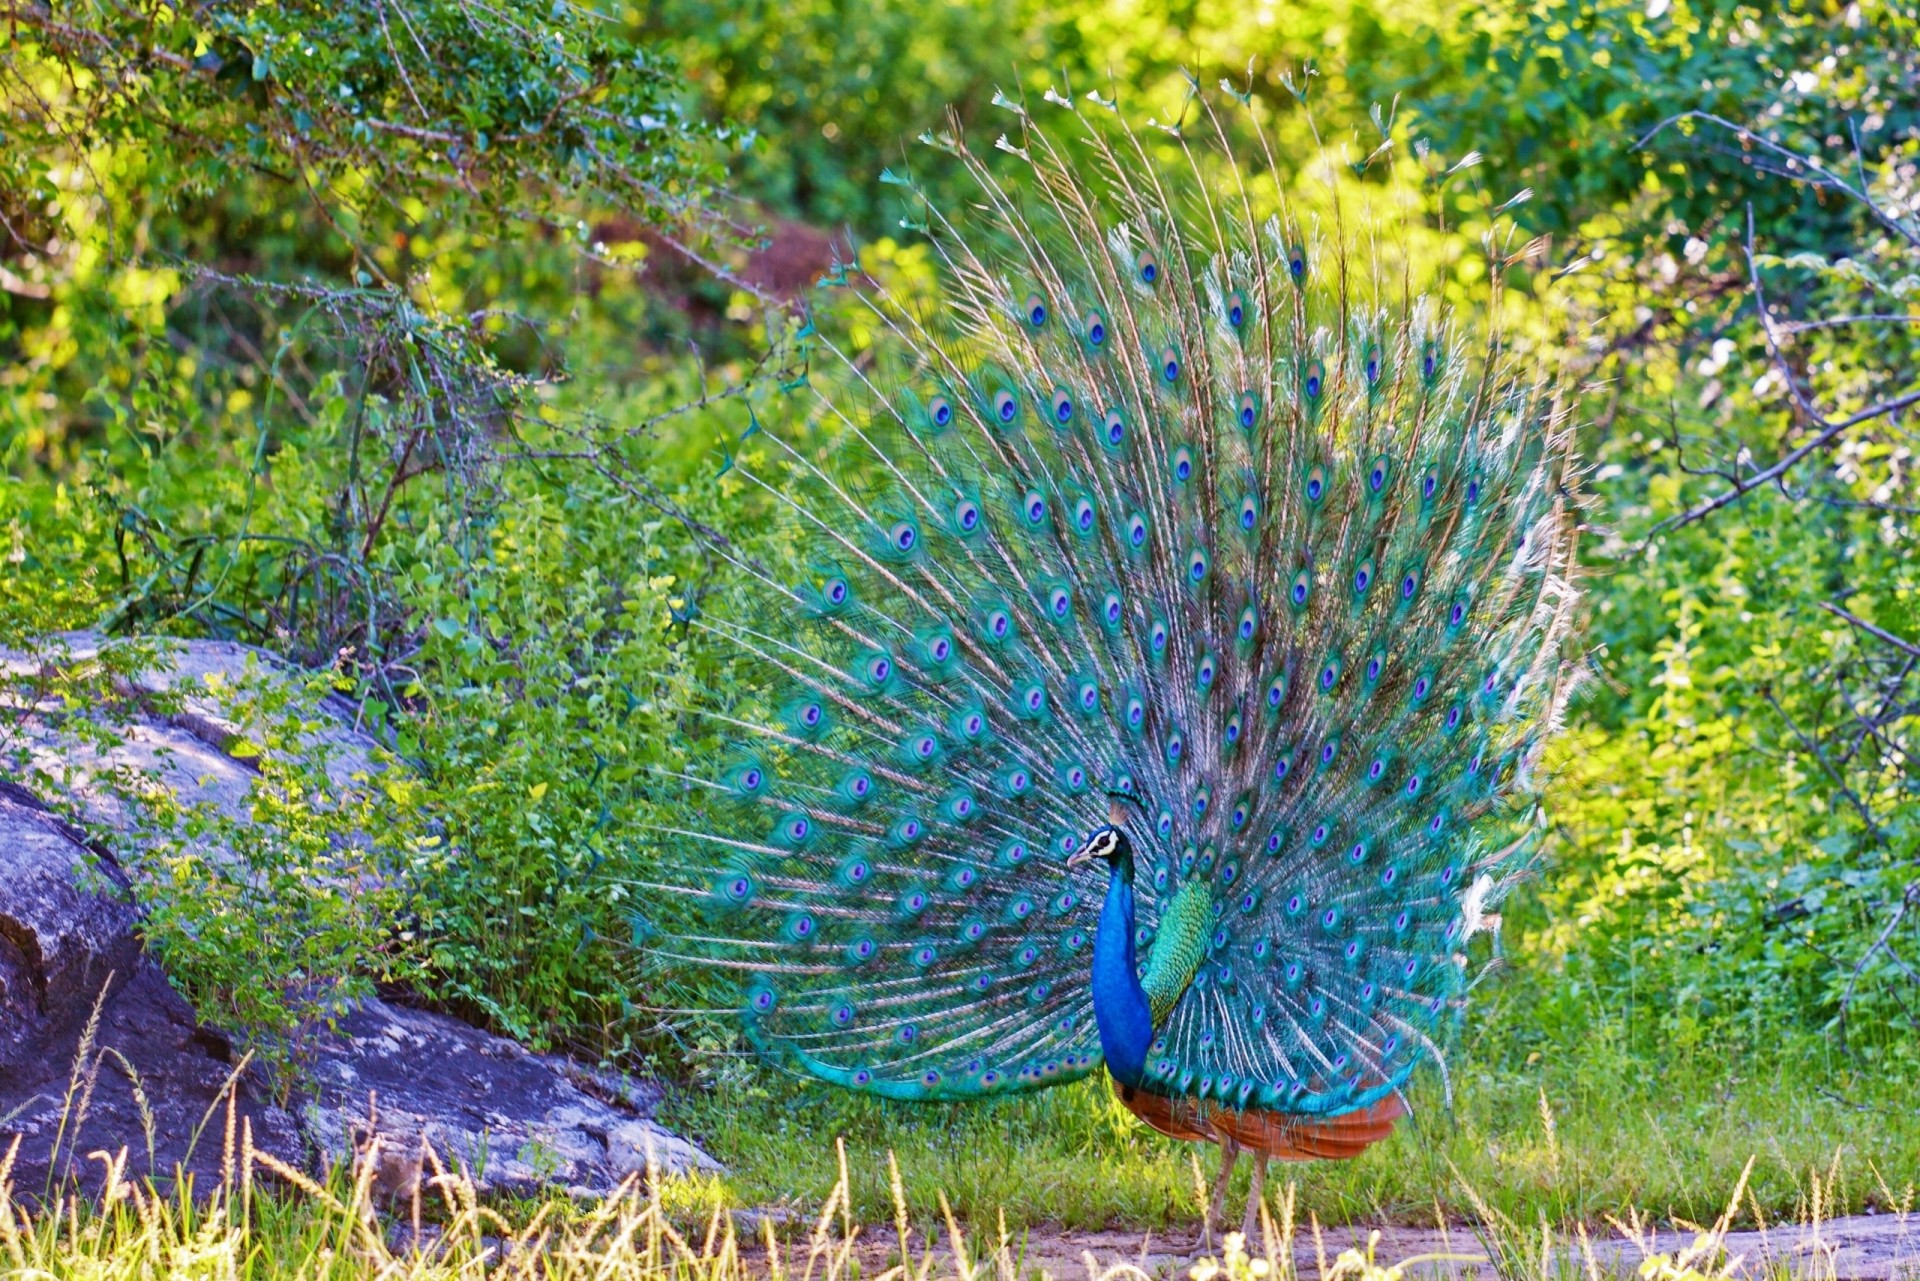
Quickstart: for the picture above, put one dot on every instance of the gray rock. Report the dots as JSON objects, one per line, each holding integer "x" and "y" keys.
{"x": 66, "y": 928}
{"x": 507, "y": 1118}
{"x": 144, "y": 1076}
{"x": 152, "y": 1082}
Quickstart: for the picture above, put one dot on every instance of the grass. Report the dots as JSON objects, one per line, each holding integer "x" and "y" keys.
{"x": 1565, "y": 1135}
{"x": 267, "y": 1222}
{"x": 1544, "y": 1150}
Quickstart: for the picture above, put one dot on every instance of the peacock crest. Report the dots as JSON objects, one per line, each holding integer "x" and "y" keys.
{"x": 1175, "y": 493}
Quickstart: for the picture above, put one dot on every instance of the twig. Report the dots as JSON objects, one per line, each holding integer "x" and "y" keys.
{"x": 1905, "y": 647}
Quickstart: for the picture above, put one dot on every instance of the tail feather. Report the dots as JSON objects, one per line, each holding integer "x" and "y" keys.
{"x": 1175, "y": 488}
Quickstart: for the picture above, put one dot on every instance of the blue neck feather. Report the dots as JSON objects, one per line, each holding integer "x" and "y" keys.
{"x": 1119, "y": 1002}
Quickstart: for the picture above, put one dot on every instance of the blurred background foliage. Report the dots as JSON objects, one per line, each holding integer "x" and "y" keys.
{"x": 403, "y": 337}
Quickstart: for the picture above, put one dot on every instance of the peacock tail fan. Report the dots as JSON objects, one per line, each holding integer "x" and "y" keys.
{"x": 1168, "y": 491}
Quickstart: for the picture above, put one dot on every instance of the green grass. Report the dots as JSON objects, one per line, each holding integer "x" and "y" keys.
{"x": 1565, "y": 1134}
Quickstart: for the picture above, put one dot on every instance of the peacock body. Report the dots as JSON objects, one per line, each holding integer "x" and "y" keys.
{"x": 1179, "y": 593}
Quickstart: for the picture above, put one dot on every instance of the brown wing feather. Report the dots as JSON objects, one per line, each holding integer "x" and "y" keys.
{"x": 1276, "y": 1135}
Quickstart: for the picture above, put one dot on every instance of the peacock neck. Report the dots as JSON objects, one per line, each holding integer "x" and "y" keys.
{"x": 1120, "y": 1007}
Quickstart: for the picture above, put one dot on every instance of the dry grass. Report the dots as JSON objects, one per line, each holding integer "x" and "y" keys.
{"x": 265, "y": 1221}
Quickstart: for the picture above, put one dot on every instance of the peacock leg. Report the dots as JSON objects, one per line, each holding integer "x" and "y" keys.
{"x": 1254, "y": 1194}
{"x": 1229, "y": 1155}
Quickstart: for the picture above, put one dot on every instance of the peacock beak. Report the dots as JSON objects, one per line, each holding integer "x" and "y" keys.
{"x": 1080, "y": 857}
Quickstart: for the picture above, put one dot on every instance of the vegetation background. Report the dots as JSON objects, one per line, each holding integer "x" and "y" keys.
{"x": 408, "y": 337}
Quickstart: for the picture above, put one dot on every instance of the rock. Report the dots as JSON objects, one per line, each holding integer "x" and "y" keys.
{"x": 149, "y": 1079}
{"x": 510, "y": 1120}
{"x": 66, "y": 927}
{"x": 152, "y": 1082}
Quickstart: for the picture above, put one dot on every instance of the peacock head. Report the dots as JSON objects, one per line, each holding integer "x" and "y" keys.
{"x": 1108, "y": 844}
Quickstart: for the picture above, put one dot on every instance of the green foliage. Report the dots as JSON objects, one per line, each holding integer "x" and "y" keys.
{"x": 286, "y": 911}
{"x": 377, "y": 378}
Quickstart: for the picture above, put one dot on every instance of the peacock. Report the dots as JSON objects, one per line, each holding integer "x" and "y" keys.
{"x": 1174, "y": 604}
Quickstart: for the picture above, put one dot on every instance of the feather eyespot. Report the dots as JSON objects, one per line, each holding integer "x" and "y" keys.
{"x": 1297, "y": 263}
{"x": 1136, "y": 531}
{"x": 1247, "y": 413}
{"x": 1006, "y": 406}
{"x": 1170, "y": 364}
{"x": 1236, "y": 309}
{"x": 1249, "y": 513}
{"x": 1379, "y": 473}
{"x": 1034, "y": 507}
{"x": 1062, "y": 406}
{"x": 1249, "y": 624}
{"x": 903, "y": 536}
{"x": 1373, "y": 364}
{"x": 1096, "y": 329}
{"x": 940, "y": 410}
{"x": 1035, "y": 311}
{"x": 1083, "y": 516}
{"x": 1182, "y": 465}
{"x": 1114, "y": 428}
{"x": 1302, "y": 588}
{"x": 1316, "y": 483}
{"x": 1148, "y": 266}
{"x": 1363, "y": 576}
{"x": 1409, "y": 584}
{"x": 1276, "y": 692}
{"x": 966, "y": 516}
{"x": 1313, "y": 379}
{"x": 1111, "y": 609}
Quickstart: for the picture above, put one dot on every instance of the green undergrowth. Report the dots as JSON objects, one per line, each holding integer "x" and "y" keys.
{"x": 1569, "y": 1133}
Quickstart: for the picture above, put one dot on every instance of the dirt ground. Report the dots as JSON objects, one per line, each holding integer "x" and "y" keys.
{"x": 1871, "y": 1247}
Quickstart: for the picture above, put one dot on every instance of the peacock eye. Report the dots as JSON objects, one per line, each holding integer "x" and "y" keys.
{"x": 940, "y": 410}
{"x": 1170, "y": 364}
{"x": 904, "y": 536}
{"x": 1297, "y": 263}
{"x": 1148, "y": 267}
{"x": 1096, "y": 329}
{"x": 1115, "y": 426}
{"x": 1005, "y": 406}
{"x": 1315, "y": 378}
{"x": 1062, "y": 407}
{"x": 1036, "y": 311}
